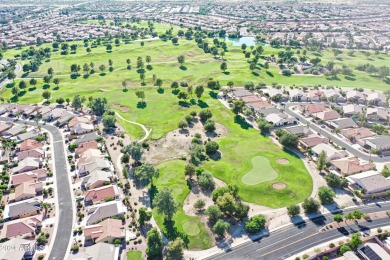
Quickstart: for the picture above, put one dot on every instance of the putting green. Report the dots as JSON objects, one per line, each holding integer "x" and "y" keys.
{"x": 191, "y": 228}
{"x": 262, "y": 171}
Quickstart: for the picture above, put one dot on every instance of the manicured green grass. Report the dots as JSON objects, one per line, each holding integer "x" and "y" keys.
{"x": 134, "y": 255}
{"x": 190, "y": 227}
{"x": 261, "y": 171}
{"x": 240, "y": 146}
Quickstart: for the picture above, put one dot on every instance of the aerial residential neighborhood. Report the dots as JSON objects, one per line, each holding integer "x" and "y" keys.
{"x": 207, "y": 130}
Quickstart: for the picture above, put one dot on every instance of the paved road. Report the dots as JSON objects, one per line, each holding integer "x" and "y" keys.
{"x": 65, "y": 222}
{"x": 297, "y": 238}
{"x": 334, "y": 139}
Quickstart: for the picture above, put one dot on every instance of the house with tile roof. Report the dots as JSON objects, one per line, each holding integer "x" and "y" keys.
{"x": 106, "y": 231}
{"x": 22, "y": 228}
{"x": 105, "y": 210}
{"x": 101, "y": 194}
{"x": 351, "y": 165}
{"x": 22, "y": 209}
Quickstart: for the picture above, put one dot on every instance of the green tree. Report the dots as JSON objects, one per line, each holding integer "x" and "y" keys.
{"x": 238, "y": 105}
{"x": 135, "y": 150}
{"x": 141, "y": 95}
{"x": 15, "y": 91}
{"x": 206, "y": 181}
{"x": 145, "y": 173}
{"x": 181, "y": 59}
{"x": 223, "y": 66}
{"x": 385, "y": 170}
{"x": 144, "y": 215}
{"x": 108, "y": 121}
{"x": 293, "y": 210}
{"x": 214, "y": 213}
{"x": 321, "y": 162}
{"x": 263, "y": 125}
{"x": 357, "y": 214}
{"x": 209, "y": 126}
{"x": 199, "y": 91}
{"x": 56, "y": 81}
{"x": 154, "y": 243}
{"x": 221, "y": 227}
{"x": 175, "y": 249}
{"x": 189, "y": 170}
{"x": 77, "y": 102}
{"x": 289, "y": 140}
{"x": 33, "y": 82}
{"x": 344, "y": 249}
{"x": 326, "y": 195}
{"x": 165, "y": 203}
{"x": 211, "y": 147}
{"x": 11, "y": 76}
{"x": 205, "y": 114}
{"x": 102, "y": 68}
{"x": 355, "y": 240}
{"x": 226, "y": 203}
{"x": 98, "y": 105}
{"x": 310, "y": 205}
{"x": 46, "y": 94}
{"x": 255, "y": 224}
{"x": 22, "y": 84}
{"x": 338, "y": 218}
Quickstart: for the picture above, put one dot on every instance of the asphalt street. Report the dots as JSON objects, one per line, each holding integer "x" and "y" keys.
{"x": 64, "y": 200}
{"x": 293, "y": 239}
{"x": 332, "y": 137}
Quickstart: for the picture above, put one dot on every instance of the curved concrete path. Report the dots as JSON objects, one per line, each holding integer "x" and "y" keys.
{"x": 147, "y": 132}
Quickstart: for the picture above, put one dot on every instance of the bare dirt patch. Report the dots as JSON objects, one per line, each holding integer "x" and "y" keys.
{"x": 282, "y": 161}
{"x": 176, "y": 144}
{"x": 279, "y": 185}
{"x": 122, "y": 108}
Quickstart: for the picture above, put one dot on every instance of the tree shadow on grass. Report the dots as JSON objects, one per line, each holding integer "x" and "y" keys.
{"x": 226, "y": 72}
{"x": 333, "y": 78}
{"x": 14, "y": 99}
{"x": 111, "y": 69}
{"x": 152, "y": 193}
{"x": 182, "y": 67}
{"x": 56, "y": 88}
{"x": 192, "y": 101}
{"x": 339, "y": 58}
{"x": 213, "y": 94}
{"x": 175, "y": 91}
{"x": 202, "y": 104}
{"x": 24, "y": 75}
{"x": 125, "y": 90}
{"x": 160, "y": 91}
{"x": 140, "y": 71}
{"x": 46, "y": 86}
{"x": 149, "y": 67}
{"x": 184, "y": 103}
{"x": 171, "y": 232}
{"x": 254, "y": 73}
{"x": 22, "y": 93}
{"x": 242, "y": 122}
{"x": 102, "y": 74}
{"x": 10, "y": 85}
{"x": 141, "y": 105}
{"x": 32, "y": 89}
{"x": 74, "y": 76}
{"x": 269, "y": 73}
{"x": 350, "y": 78}
{"x": 85, "y": 76}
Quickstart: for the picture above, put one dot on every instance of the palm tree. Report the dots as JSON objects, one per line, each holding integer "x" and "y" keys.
{"x": 45, "y": 206}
